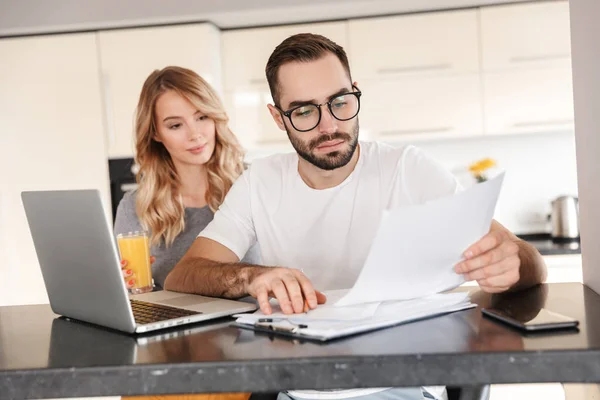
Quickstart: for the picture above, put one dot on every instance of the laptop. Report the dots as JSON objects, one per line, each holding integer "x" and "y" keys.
{"x": 78, "y": 256}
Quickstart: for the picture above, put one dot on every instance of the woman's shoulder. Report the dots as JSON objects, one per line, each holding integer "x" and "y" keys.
{"x": 128, "y": 200}
{"x": 126, "y": 219}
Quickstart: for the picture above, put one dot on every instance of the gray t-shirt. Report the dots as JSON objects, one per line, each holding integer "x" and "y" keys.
{"x": 196, "y": 220}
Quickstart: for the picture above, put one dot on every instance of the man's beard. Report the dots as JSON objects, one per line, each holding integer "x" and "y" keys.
{"x": 330, "y": 161}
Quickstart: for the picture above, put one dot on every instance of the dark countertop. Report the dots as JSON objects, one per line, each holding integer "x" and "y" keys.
{"x": 42, "y": 356}
{"x": 547, "y": 246}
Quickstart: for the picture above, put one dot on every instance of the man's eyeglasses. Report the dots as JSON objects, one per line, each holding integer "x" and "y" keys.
{"x": 306, "y": 117}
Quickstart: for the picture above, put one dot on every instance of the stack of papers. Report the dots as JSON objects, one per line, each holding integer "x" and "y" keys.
{"x": 410, "y": 262}
{"x": 330, "y": 322}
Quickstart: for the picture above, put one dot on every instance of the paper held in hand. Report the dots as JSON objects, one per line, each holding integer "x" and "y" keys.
{"x": 416, "y": 248}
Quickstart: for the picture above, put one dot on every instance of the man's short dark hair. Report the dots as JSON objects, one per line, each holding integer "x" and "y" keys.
{"x": 302, "y": 47}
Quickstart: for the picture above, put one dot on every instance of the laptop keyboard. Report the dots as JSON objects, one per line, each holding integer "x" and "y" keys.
{"x": 147, "y": 313}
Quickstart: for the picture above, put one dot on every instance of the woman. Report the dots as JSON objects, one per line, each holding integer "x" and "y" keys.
{"x": 188, "y": 159}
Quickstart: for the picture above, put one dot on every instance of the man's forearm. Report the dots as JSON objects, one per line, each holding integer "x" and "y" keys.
{"x": 533, "y": 269}
{"x": 211, "y": 278}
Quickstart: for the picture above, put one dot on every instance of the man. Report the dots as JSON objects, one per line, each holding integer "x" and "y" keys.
{"x": 314, "y": 214}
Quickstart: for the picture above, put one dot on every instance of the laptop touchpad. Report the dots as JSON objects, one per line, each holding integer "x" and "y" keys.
{"x": 185, "y": 301}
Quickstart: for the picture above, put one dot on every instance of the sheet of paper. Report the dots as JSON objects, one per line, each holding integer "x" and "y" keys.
{"x": 324, "y": 312}
{"x": 416, "y": 248}
{"x": 362, "y": 313}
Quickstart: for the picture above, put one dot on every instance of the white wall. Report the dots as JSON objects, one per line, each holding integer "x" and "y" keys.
{"x": 585, "y": 34}
{"x": 51, "y": 137}
{"x": 539, "y": 167}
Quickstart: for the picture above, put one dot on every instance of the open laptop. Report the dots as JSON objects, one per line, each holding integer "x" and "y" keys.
{"x": 79, "y": 260}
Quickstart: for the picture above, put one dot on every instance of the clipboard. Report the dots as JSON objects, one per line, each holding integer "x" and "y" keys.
{"x": 270, "y": 329}
{"x": 284, "y": 327}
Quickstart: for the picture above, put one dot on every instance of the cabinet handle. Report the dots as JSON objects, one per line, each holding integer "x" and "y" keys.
{"x": 551, "y": 122}
{"x": 547, "y": 57}
{"x": 109, "y": 117}
{"x": 414, "y": 68}
{"x": 417, "y": 131}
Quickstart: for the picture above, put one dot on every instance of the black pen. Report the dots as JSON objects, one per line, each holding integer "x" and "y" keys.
{"x": 267, "y": 320}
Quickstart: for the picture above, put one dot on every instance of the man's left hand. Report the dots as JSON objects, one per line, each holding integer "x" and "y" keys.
{"x": 493, "y": 261}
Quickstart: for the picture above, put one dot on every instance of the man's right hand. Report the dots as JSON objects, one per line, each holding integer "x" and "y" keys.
{"x": 289, "y": 286}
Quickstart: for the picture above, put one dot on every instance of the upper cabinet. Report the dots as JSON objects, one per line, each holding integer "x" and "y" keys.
{"x": 525, "y": 35}
{"x": 526, "y": 68}
{"x": 415, "y": 109}
{"x": 246, "y": 51}
{"x": 489, "y": 70}
{"x": 419, "y": 44}
{"x": 528, "y": 101}
{"x": 128, "y": 56}
{"x": 419, "y": 75}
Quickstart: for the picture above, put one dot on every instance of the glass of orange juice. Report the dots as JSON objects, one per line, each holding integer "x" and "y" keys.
{"x": 135, "y": 248}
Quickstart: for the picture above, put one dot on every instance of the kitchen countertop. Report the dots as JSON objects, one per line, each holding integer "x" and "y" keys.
{"x": 42, "y": 356}
{"x": 547, "y": 246}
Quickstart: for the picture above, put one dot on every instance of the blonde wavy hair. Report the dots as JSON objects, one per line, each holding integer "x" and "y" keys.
{"x": 159, "y": 205}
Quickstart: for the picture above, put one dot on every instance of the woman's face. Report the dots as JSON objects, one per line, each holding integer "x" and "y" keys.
{"x": 187, "y": 134}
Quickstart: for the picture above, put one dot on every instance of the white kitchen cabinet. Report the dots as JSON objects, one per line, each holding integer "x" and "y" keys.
{"x": 397, "y": 110}
{"x": 246, "y": 51}
{"x": 527, "y": 101}
{"x": 420, "y": 44}
{"x": 527, "y": 80}
{"x": 52, "y": 139}
{"x": 128, "y": 56}
{"x": 523, "y": 36}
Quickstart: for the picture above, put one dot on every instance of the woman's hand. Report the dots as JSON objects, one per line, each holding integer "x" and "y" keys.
{"x": 128, "y": 274}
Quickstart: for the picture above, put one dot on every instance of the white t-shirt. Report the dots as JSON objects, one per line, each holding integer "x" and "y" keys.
{"x": 326, "y": 233}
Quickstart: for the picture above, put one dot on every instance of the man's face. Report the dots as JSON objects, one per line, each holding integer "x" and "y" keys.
{"x": 332, "y": 143}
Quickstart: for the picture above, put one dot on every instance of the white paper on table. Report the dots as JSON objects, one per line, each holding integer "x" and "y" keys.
{"x": 324, "y": 312}
{"x": 387, "y": 314}
{"x": 416, "y": 248}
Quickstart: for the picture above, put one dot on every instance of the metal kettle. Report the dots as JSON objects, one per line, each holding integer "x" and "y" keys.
{"x": 565, "y": 218}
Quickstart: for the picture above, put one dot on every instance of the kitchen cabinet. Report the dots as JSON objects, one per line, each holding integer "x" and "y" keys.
{"x": 437, "y": 43}
{"x": 525, "y": 36}
{"x": 419, "y": 75}
{"x": 408, "y": 110}
{"x": 246, "y": 51}
{"x": 528, "y": 101}
{"x": 527, "y": 80}
{"x": 429, "y": 76}
{"x": 52, "y": 139}
{"x": 128, "y": 56}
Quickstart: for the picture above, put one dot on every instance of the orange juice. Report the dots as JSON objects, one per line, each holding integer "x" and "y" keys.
{"x": 135, "y": 249}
